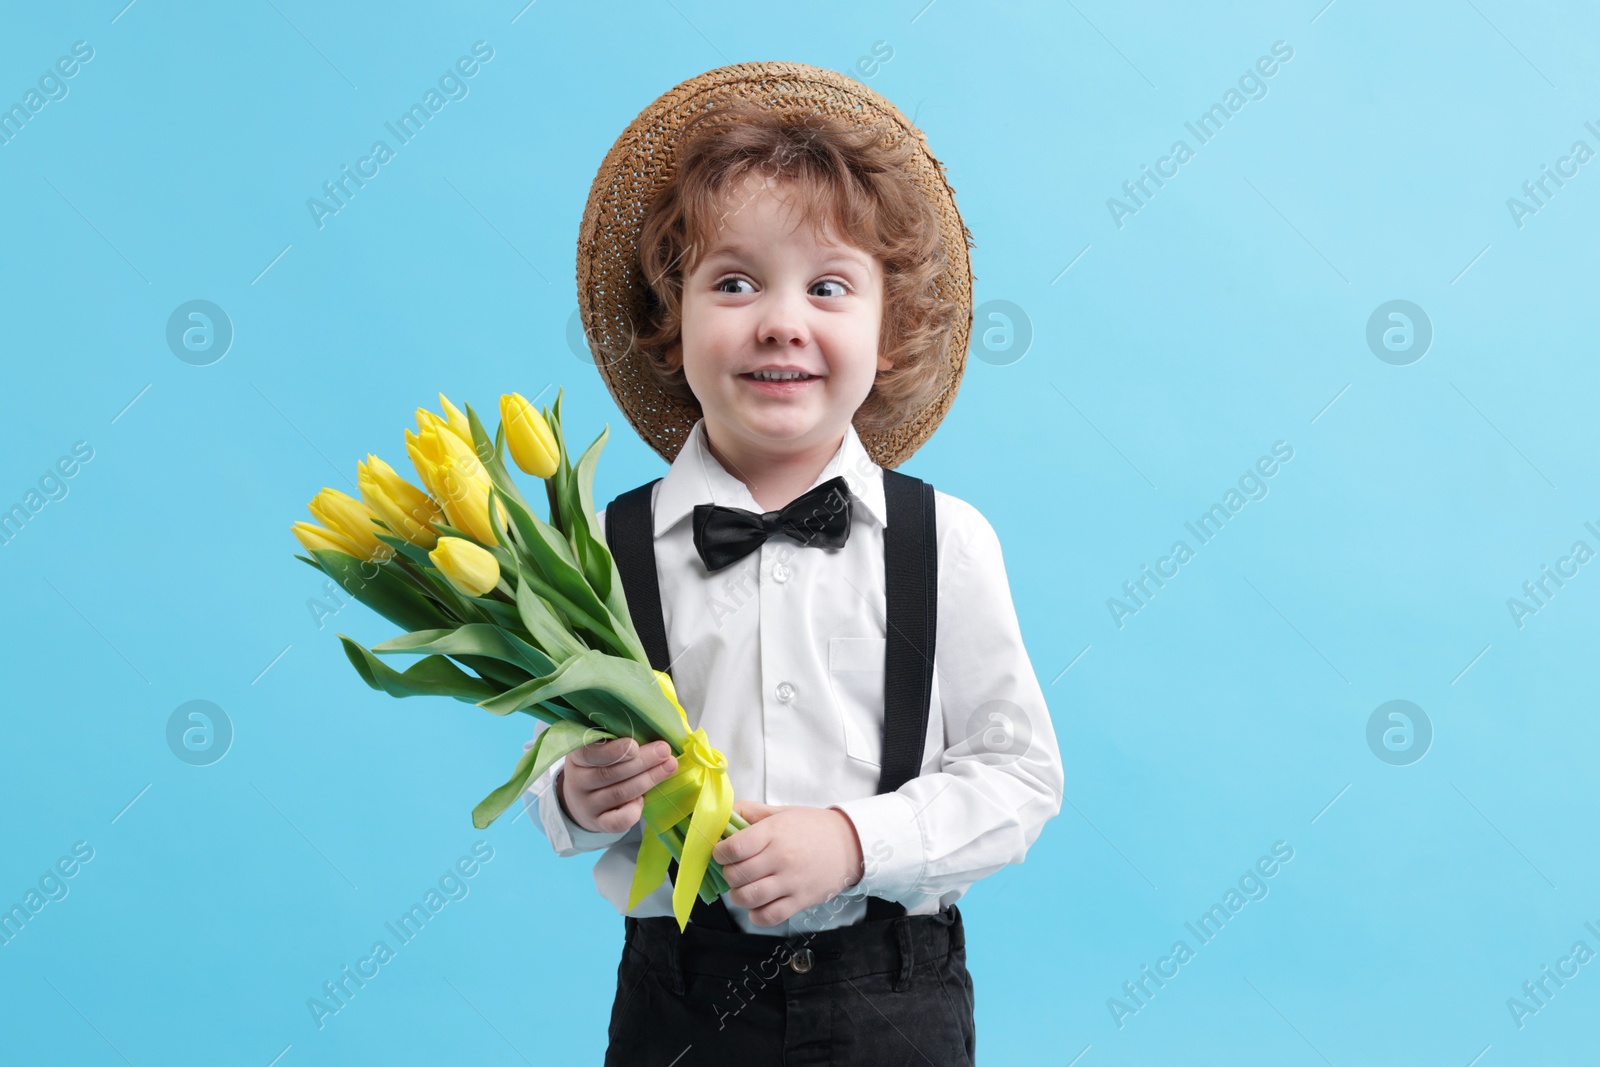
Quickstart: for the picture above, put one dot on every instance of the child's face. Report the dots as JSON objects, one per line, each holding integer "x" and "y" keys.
{"x": 771, "y": 293}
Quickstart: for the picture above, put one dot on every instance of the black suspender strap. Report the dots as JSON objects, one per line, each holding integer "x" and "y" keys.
{"x": 911, "y": 599}
{"x": 911, "y": 602}
{"x": 911, "y": 587}
{"x": 630, "y": 534}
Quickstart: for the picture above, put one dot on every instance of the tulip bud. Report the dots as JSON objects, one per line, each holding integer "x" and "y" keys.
{"x": 454, "y": 421}
{"x": 466, "y": 482}
{"x": 406, "y": 509}
{"x": 312, "y": 536}
{"x": 471, "y": 569}
{"x": 427, "y": 420}
{"x": 457, "y": 421}
{"x": 532, "y": 443}
{"x": 348, "y": 516}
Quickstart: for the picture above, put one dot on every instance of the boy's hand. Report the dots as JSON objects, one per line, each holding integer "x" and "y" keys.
{"x": 602, "y": 786}
{"x": 790, "y": 858}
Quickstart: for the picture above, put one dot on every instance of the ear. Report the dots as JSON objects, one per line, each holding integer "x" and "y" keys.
{"x": 674, "y": 354}
{"x": 885, "y": 363}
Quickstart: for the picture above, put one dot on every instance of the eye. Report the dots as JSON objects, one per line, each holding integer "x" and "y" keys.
{"x": 844, "y": 289}
{"x": 730, "y": 280}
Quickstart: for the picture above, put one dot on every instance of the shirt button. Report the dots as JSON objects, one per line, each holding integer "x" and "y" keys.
{"x": 785, "y": 692}
{"x": 780, "y": 572}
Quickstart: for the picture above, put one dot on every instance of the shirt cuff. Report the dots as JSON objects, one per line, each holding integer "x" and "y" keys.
{"x": 892, "y": 850}
{"x": 566, "y": 836}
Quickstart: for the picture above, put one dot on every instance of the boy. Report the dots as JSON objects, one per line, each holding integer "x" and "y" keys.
{"x": 800, "y": 294}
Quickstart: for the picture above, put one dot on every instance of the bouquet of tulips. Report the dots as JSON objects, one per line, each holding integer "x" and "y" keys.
{"x": 515, "y": 613}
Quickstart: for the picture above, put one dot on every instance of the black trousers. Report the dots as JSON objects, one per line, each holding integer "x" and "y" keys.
{"x": 885, "y": 993}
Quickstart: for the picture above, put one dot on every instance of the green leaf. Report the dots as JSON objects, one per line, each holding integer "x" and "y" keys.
{"x": 506, "y": 675}
{"x": 382, "y": 587}
{"x": 547, "y": 629}
{"x": 640, "y": 709}
{"x": 601, "y": 568}
{"x": 502, "y": 614}
{"x": 478, "y": 639}
{"x": 433, "y": 676}
{"x": 555, "y": 577}
{"x": 557, "y": 482}
{"x": 559, "y": 740}
{"x": 595, "y": 555}
{"x": 415, "y": 553}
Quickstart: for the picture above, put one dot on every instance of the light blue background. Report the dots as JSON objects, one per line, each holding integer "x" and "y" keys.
{"x": 1228, "y": 314}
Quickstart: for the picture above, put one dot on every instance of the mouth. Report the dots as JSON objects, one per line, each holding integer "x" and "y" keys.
{"x": 779, "y": 383}
{"x": 779, "y": 376}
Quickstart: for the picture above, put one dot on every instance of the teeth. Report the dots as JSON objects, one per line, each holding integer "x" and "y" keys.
{"x": 778, "y": 375}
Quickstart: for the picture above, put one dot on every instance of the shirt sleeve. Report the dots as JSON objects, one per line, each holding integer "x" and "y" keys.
{"x": 1000, "y": 777}
{"x": 544, "y": 810}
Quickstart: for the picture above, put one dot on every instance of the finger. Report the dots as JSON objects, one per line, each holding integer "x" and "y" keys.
{"x": 780, "y": 910}
{"x": 741, "y": 845}
{"x": 603, "y": 753}
{"x": 753, "y": 811}
{"x": 640, "y": 779}
{"x": 620, "y": 819}
{"x": 757, "y": 894}
{"x": 642, "y": 760}
{"x": 747, "y": 872}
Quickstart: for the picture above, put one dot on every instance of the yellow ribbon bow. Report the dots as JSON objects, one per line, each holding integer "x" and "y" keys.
{"x": 700, "y": 790}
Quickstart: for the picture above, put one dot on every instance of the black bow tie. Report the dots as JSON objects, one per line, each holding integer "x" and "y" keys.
{"x": 819, "y": 516}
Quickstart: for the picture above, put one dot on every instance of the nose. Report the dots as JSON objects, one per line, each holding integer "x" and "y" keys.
{"x": 782, "y": 321}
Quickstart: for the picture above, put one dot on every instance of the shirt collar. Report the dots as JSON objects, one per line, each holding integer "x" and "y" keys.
{"x": 696, "y": 477}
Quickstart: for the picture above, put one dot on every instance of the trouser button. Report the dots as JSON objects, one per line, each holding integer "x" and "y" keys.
{"x": 800, "y": 962}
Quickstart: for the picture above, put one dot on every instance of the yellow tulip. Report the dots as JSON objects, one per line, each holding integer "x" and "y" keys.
{"x": 454, "y": 421}
{"x": 532, "y": 443}
{"x": 457, "y": 421}
{"x": 348, "y": 516}
{"x": 471, "y": 569}
{"x": 312, "y": 536}
{"x": 407, "y": 509}
{"x": 455, "y": 478}
{"x": 427, "y": 420}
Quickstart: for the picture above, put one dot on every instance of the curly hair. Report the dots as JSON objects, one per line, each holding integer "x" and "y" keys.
{"x": 848, "y": 179}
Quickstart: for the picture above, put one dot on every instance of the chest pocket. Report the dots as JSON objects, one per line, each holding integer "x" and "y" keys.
{"x": 855, "y": 672}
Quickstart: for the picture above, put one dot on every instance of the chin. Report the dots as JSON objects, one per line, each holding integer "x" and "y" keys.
{"x": 781, "y": 425}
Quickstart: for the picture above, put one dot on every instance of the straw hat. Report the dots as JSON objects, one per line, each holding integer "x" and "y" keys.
{"x": 612, "y": 289}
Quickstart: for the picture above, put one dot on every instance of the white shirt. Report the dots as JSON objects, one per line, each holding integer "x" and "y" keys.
{"x": 780, "y": 656}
